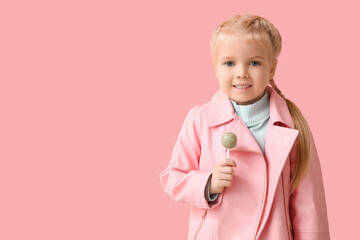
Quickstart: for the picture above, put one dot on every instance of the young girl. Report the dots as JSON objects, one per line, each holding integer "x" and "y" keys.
{"x": 271, "y": 186}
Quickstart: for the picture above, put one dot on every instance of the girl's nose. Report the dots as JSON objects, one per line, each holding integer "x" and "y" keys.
{"x": 242, "y": 76}
{"x": 241, "y": 72}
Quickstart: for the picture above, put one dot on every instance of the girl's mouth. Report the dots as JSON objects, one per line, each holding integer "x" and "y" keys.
{"x": 242, "y": 86}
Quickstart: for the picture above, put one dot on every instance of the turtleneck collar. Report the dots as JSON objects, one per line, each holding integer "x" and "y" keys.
{"x": 255, "y": 112}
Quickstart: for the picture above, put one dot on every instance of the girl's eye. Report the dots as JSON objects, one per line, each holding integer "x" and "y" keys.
{"x": 254, "y": 63}
{"x": 229, "y": 64}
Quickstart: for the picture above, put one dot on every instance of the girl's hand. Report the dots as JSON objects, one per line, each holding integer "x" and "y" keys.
{"x": 222, "y": 175}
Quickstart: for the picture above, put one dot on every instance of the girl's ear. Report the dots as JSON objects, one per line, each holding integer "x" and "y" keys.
{"x": 273, "y": 68}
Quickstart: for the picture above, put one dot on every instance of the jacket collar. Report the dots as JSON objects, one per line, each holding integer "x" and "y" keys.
{"x": 222, "y": 111}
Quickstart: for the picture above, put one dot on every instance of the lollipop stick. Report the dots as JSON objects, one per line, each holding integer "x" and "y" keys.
{"x": 227, "y": 153}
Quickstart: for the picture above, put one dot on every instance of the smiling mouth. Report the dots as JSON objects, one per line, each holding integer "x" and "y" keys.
{"x": 242, "y": 86}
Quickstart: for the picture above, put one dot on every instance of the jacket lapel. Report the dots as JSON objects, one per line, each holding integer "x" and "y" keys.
{"x": 221, "y": 110}
{"x": 280, "y": 139}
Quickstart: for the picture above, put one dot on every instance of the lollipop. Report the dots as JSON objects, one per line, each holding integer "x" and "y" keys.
{"x": 228, "y": 140}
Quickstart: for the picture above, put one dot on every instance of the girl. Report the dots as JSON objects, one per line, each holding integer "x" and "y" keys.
{"x": 271, "y": 187}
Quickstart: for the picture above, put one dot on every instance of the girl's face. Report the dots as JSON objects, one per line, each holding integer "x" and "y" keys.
{"x": 243, "y": 69}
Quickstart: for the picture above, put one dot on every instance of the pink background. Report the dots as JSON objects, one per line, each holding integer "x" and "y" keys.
{"x": 93, "y": 95}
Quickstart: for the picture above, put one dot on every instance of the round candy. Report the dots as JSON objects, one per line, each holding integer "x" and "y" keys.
{"x": 229, "y": 140}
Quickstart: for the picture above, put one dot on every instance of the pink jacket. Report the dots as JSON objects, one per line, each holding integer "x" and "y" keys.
{"x": 257, "y": 205}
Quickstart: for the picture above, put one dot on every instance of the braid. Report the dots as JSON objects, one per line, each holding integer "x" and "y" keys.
{"x": 272, "y": 83}
{"x": 303, "y": 141}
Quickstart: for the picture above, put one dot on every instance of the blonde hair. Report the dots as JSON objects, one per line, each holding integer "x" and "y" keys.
{"x": 261, "y": 31}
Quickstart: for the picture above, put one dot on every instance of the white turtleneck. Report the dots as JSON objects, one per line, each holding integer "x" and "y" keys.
{"x": 256, "y": 117}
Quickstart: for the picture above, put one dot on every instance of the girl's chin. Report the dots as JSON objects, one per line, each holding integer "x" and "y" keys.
{"x": 245, "y": 101}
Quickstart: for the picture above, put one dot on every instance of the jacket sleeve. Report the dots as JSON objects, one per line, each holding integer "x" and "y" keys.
{"x": 182, "y": 180}
{"x": 307, "y": 202}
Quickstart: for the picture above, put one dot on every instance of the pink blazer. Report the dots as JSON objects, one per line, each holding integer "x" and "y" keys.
{"x": 258, "y": 204}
